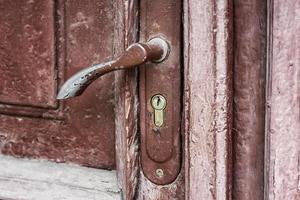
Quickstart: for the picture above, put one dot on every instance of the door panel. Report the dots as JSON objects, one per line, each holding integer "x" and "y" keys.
{"x": 42, "y": 43}
{"x": 27, "y": 44}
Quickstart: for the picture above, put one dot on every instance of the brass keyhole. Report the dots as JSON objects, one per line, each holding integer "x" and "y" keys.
{"x": 158, "y": 103}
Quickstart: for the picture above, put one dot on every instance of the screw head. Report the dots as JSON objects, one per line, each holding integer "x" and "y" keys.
{"x": 159, "y": 173}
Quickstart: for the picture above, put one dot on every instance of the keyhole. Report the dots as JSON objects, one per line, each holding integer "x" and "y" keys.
{"x": 158, "y": 101}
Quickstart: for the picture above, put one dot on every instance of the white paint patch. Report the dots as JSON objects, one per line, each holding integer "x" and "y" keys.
{"x": 35, "y": 180}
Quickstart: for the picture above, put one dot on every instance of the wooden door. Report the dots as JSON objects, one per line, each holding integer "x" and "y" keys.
{"x": 237, "y": 65}
{"x": 42, "y": 43}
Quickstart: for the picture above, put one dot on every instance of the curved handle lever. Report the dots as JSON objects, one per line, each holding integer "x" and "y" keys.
{"x": 138, "y": 53}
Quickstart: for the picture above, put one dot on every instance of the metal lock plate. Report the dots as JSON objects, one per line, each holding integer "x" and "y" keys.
{"x": 160, "y": 94}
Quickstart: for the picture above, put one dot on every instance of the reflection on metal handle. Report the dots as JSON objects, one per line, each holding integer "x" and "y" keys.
{"x": 155, "y": 50}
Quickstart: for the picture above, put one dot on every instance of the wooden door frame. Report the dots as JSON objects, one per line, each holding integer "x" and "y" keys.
{"x": 283, "y": 101}
{"x": 266, "y": 60}
{"x": 207, "y": 104}
{"x": 208, "y": 98}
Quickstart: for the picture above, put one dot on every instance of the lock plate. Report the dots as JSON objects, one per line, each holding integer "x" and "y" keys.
{"x": 160, "y": 94}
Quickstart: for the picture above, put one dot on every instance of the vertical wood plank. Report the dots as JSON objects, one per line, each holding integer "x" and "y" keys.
{"x": 208, "y": 98}
{"x": 283, "y": 98}
{"x": 250, "y": 28}
{"x": 126, "y": 96}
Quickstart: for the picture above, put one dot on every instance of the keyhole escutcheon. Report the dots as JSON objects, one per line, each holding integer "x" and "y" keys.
{"x": 158, "y": 103}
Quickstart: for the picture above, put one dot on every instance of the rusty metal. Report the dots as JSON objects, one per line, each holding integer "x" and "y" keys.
{"x": 160, "y": 145}
{"x": 155, "y": 50}
{"x": 159, "y": 173}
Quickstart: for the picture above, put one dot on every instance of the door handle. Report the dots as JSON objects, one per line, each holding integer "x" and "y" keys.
{"x": 155, "y": 50}
{"x": 160, "y": 137}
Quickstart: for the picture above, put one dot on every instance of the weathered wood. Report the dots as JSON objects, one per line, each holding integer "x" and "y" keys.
{"x": 42, "y": 43}
{"x": 25, "y": 45}
{"x": 208, "y": 99}
{"x": 250, "y": 37}
{"x": 150, "y": 191}
{"x": 283, "y": 117}
{"x": 126, "y": 97}
{"x": 35, "y": 180}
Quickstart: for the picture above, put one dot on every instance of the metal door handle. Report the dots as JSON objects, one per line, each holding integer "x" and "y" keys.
{"x": 155, "y": 50}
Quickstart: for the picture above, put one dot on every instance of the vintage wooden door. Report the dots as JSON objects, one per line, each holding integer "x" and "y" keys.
{"x": 42, "y": 43}
{"x": 230, "y": 126}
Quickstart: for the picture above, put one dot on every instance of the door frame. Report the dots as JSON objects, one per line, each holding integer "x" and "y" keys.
{"x": 208, "y": 98}
{"x": 209, "y": 123}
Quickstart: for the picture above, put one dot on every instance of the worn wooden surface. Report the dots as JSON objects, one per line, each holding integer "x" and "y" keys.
{"x": 26, "y": 45}
{"x": 283, "y": 138}
{"x": 208, "y": 99}
{"x": 42, "y": 43}
{"x": 126, "y": 97}
{"x": 250, "y": 31}
{"x": 35, "y": 180}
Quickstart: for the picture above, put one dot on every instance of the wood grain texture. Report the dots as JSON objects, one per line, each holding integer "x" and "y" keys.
{"x": 151, "y": 191}
{"x": 35, "y": 44}
{"x": 39, "y": 179}
{"x": 283, "y": 147}
{"x": 60, "y": 37}
{"x": 208, "y": 99}
{"x": 250, "y": 38}
{"x": 126, "y": 97}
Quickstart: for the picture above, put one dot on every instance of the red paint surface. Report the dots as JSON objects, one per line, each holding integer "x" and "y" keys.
{"x": 42, "y": 43}
{"x": 26, "y": 52}
{"x": 250, "y": 38}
